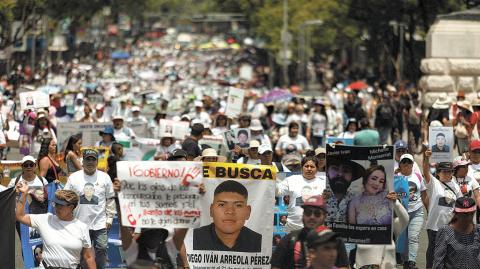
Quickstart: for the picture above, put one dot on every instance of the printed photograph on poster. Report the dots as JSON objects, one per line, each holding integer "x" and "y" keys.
{"x": 212, "y": 141}
{"x": 339, "y": 140}
{"x": 237, "y": 201}
{"x": 358, "y": 181}
{"x": 37, "y": 251}
{"x": 441, "y": 143}
{"x": 234, "y": 102}
{"x": 33, "y": 100}
{"x": 179, "y": 130}
{"x": 243, "y": 137}
{"x": 230, "y": 139}
{"x": 34, "y": 233}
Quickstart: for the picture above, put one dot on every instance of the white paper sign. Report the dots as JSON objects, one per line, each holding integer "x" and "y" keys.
{"x": 234, "y": 102}
{"x": 178, "y": 129}
{"x": 90, "y": 132}
{"x": 160, "y": 194}
{"x": 441, "y": 143}
{"x": 34, "y": 100}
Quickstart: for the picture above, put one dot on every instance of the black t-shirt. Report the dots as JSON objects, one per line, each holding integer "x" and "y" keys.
{"x": 190, "y": 145}
{"x": 283, "y": 256}
{"x": 205, "y": 238}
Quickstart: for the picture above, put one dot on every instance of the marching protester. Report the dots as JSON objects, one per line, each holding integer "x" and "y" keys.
{"x": 252, "y": 154}
{"x": 291, "y": 251}
{"x": 47, "y": 164}
{"x": 107, "y": 137}
{"x": 73, "y": 154}
{"x": 65, "y": 238}
{"x": 293, "y": 142}
{"x": 166, "y": 146}
{"x": 190, "y": 144}
{"x": 96, "y": 206}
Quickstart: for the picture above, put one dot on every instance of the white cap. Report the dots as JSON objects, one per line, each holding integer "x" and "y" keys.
{"x": 117, "y": 117}
{"x": 198, "y": 104}
{"x": 407, "y": 156}
{"x": 320, "y": 150}
{"x": 79, "y": 95}
{"x": 254, "y": 144}
{"x": 264, "y": 148}
{"x": 135, "y": 108}
{"x": 28, "y": 158}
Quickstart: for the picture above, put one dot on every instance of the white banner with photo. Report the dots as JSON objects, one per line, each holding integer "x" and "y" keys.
{"x": 234, "y": 102}
{"x": 239, "y": 201}
{"x": 160, "y": 194}
{"x": 178, "y": 129}
{"x": 441, "y": 142}
{"x": 90, "y": 132}
{"x": 34, "y": 100}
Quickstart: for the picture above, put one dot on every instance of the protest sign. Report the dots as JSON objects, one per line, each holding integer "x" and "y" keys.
{"x": 90, "y": 132}
{"x": 362, "y": 177}
{"x": 401, "y": 186}
{"x": 234, "y": 102}
{"x": 160, "y": 194}
{"x": 139, "y": 128}
{"x": 142, "y": 149}
{"x": 9, "y": 170}
{"x": 229, "y": 139}
{"x": 242, "y": 136}
{"x": 339, "y": 140}
{"x": 248, "y": 191}
{"x": 33, "y": 100}
{"x": 178, "y": 129}
{"x": 213, "y": 141}
{"x": 441, "y": 143}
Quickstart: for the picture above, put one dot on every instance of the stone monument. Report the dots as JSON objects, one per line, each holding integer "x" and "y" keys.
{"x": 452, "y": 60}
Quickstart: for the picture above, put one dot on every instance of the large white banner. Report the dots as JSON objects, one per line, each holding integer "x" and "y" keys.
{"x": 237, "y": 218}
{"x": 178, "y": 129}
{"x": 90, "y": 132}
{"x": 160, "y": 194}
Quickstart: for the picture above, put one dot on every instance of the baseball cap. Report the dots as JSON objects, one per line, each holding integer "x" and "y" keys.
{"x": 254, "y": 144}
{"x": 460, "y": 161}
{"x": 90, "y": 153}
{"x": 117, "y": 117}
{"x": 407, "y": 157}
{"x": 475, "y": 145}
{"x": 291, "y": 159}
{"x": 198, "y": 104}
{"x": 176, "y": 154}
{"x": 28, "y": 158}
{"x": 315, "y": 201}
{"x": 400, "y": 144}
{"x": 465, "y": 205}
{"x": 264, "y": 148}
{"x": 320, "y": 150}
{"x": 135, "y": 109}
{"x": 444, "y": 166}
{"x": 319, "y": 236}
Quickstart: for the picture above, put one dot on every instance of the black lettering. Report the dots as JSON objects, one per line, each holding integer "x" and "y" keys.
{"x": 267, "y": 174}
{"x": 220, "y": 172}
{"x": 244, "y": 173}
{"x": 205, "y": 171}
{"x": 256, "y": 173}
{"x": 232, "y": 172}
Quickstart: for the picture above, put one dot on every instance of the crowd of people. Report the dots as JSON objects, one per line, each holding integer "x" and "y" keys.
{"x": 159, "y": 81}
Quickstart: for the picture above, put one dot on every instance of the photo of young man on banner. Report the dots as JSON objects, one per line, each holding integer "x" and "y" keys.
{"x": 358, "y": 181}
{"x": 239, "y": 198}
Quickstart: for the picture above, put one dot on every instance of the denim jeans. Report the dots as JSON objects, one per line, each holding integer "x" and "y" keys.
{"x": 414, "y": 227}
{"x": 99, "y": 243}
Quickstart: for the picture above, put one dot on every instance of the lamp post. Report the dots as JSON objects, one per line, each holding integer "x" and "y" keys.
{"x": 400, "y": 27}
{"x": 303, "y": 49}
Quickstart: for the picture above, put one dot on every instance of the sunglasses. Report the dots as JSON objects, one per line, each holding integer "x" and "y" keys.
{"x": 28, "y": 165}
{"x": 309, "y": 211}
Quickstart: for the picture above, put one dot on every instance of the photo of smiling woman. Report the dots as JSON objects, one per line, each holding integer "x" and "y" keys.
{"x": 371, "y": 207}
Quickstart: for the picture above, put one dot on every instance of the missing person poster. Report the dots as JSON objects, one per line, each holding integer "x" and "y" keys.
{"x": 160, "y": 194}
{"x": 33, "y": 100}
{"x": 90, "y": 132}
{"x": 358, "y": 181}
{"x": 178, "y": 129}
{"x": 236, "y": 225}
{"x": 441, "y": 143}
{"x": 234, "y": 102}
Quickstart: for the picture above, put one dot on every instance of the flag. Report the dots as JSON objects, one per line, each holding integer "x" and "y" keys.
{"x": 7, "y": 228}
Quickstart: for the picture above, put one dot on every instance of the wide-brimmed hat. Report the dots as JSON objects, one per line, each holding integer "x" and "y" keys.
{"x": 357, "y": 170}
{"x": 465, "y": 105}
{"x": 442, "y": 102}
{"x": 210, "y": 152}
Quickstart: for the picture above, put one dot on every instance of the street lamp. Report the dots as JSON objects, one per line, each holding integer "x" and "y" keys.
{"x": 303, "y": 49}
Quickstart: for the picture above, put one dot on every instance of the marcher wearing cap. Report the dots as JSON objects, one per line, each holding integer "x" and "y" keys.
{"x": 177, "y": 155}
{"x": 252, "y": 154}
{"x": 444, "y": 190}
{"x": 468, "y": 185}
{"x": 210, "y": 155}
{"x": 321, "y": 155}
{"x": 66, "y": 239}
{"x": 136, "y": 116}
{"x": 265, "y": 153}
{"x": 457, "y": 245}
{"x": 94, "y": 187}
{"x": 167, "y": 145}
{"x": 200, "y": 114}
{"x": 107, "y": 137}
{"x": 401, "y": 148}
{"x": 122, "y": 132}
{"x": 293, "y": 186}
{"x": 417, "y": 199}
{"x": 313, "y": 217}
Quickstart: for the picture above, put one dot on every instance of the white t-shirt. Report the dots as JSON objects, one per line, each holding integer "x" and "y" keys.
{"x": 299, "y": 189}
{"x": 299, "y": 142}
{"x": 416, "y": 184}
{"x": 441, "y": 202}
{"x": 2, "y": 188}
{"x": 63, "y": 241}
{"x": 474, "y": 171}
{"x": 34, "y": 183}
{"x": 91, "y": 210}
{"x": 470, "y": 185}
{"x": 249, "y": 161}
{"x": 131, "y": 253}
{"x": 318, "y": 123}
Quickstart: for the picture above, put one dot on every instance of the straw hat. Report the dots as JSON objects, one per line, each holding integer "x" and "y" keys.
{"x": 210, "y": 152}
{"x": 443, "y": 102}
{"x": 465, "y": 105}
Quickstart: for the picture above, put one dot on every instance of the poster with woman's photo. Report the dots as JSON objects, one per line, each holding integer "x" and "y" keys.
{"x": 441, "y": 143}
{"x": 358, "y": 181}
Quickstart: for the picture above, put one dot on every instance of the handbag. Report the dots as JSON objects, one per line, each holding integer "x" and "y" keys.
{"x": 461, "y": 131}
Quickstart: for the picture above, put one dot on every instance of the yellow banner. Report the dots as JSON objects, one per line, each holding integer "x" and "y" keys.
{"x": 239, "y": 171}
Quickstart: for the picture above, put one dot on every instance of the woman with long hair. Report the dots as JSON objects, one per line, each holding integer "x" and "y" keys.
{"x": 42, "y": 129}
{"x": 47, "y": 164}
{"x": 458, "y": 243}
{"x": 73, "y": 154}
{"x": 66, "y": 240}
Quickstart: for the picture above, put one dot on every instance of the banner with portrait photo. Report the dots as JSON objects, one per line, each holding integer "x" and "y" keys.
{"x": 90, "y": 132}
{"x": 441, "y": 142}
{"x": 160, "y": 194}
{"x": 139, "y": 128}
{"x": 33, "y": 100}
{"x": 178, "y": 129}
{"x": 213, "y": 141}
{"x": 242, "y": 136}
{"x": 239, "y": 204}
{"x": 359, "y": 179}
